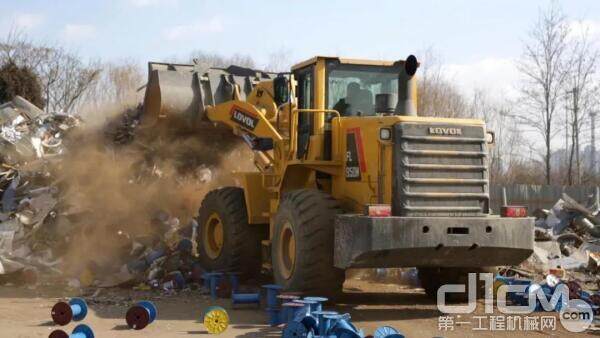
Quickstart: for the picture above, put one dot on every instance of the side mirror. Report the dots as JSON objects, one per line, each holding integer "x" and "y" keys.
{"x": 281, "y": 90}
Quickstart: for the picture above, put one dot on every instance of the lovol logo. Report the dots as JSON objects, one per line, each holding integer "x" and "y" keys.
{"x": 243, "y": 118}
{"x": 445, "y": 131}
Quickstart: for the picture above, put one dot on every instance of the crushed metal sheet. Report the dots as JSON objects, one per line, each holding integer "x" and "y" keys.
{"x": 8, "y": 197}
{"x": 9, "y": 266}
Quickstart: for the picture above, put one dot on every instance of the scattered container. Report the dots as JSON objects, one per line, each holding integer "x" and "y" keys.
{"x": 80, "y": 331}
{"x": 294, "y": 329}
{"x": 245, "y": 298}
{"x": 273, "y": 307}
{"x": 216, "y": 320}
{"x": 318, "y": 303}
{"x": 387, "y": 332}
{"x": 141, "y": 315}
{"x": 63, "y": 313}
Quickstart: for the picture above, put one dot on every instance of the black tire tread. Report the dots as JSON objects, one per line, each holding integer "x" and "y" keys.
{"x": 314, "y": 212}
{"x": 242, "y": 241}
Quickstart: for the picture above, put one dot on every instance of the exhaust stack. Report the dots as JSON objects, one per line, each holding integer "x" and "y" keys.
{"x": 407, "y": 88}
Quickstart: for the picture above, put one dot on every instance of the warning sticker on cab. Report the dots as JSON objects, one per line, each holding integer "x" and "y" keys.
{"x": 355, "y": 163}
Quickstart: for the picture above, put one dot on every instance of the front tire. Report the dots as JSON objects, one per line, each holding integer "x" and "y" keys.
{"x": 226, "y": 242}
{"x": 302, "y": 248}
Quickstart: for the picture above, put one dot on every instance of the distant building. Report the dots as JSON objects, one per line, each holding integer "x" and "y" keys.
{"x": 560, "y": 159}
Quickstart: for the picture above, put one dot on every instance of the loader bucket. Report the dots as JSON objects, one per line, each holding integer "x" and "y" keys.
{"x": 181, "y": 92}
{"x": 172, "y": 91}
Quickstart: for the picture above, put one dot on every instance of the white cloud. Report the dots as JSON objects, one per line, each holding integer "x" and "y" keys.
{"x": 150, "y": 3}
{"x": 580, "y": 28}
{"x": 182, "y": 32}
{"x": 498, "y": 76}
{"x": 27, "y": 21}
{"x": 77, "y": 32}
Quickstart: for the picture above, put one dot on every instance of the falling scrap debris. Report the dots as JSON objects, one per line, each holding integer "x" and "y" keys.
{"x": 163, "y": 260}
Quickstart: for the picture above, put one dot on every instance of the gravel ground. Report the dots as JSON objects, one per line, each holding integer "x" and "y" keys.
{"x": 25, "y": 312}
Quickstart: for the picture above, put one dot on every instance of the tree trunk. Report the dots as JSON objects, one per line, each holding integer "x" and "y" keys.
{"x": 548, "y": 139}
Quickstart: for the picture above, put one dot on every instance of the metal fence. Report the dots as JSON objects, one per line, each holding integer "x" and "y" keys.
{"x": 539, "y": 196}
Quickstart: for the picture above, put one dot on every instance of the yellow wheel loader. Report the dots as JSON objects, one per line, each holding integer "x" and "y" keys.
{"x": 348, "y": 175}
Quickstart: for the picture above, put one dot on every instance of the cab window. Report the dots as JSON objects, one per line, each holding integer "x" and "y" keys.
{"x": 351, "y": 89}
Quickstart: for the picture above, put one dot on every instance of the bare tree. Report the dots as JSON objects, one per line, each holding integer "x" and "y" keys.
{"x": 438, "y": 96}
{"x": 279, "y": 61}
{"x": 118, "y": 83}
{"x": 545, "y": 71}
{"x": 125, "y": 77}
{"x": 65, "y": 78}
{"x": 505, "y": 155}
{"x": 63, "y": 75}
{"x": 74, "y": 81}
{"x": 582, "y": 93}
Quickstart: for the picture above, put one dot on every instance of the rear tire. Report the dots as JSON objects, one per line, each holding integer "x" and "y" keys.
{"x": 226, "y": 242}
{"x": 302, "y": 249}
{"x": 433, "y": 278}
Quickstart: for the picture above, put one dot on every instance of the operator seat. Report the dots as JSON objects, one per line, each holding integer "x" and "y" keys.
{"x": 359, "y": 100}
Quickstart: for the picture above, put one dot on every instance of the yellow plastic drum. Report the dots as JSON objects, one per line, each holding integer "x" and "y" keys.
{"x": 497, "y": 285}
{"x": 216, "y": 320}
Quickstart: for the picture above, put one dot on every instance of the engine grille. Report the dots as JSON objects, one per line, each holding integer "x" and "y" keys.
{"x": 440, "y": 170}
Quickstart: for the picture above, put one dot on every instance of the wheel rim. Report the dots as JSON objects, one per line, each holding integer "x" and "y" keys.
{"x": 213, "y": 236}
{"x": 287, "y": 250}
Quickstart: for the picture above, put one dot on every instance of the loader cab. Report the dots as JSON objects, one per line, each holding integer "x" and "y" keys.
{"x": 354, "y": 88}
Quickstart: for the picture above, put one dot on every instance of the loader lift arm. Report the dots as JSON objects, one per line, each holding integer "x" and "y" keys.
{"x": 243, "y": 117}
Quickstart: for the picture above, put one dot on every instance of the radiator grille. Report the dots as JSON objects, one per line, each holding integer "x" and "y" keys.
{"x": 440, "y": 170}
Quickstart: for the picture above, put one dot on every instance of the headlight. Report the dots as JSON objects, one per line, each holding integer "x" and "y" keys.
{"x": 490, "y": 137}
{"x": 385, "y": 134}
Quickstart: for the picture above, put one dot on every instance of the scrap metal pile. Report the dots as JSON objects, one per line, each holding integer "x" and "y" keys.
{"x": 86, "y": 202}
{"x": 40, "y": 223}
{"x": 568, "y": 237}
{"x": 566, "y": 252}
{"x": 35, "y": 225}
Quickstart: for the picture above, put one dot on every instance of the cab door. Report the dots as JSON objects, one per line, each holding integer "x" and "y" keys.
{"x": 305, "y": 90}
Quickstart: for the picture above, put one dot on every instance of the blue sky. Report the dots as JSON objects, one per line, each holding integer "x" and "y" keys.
{"x": 478, "y": 39}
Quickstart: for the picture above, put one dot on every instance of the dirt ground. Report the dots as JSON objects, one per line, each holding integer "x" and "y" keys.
{"x": 25, "y": 312}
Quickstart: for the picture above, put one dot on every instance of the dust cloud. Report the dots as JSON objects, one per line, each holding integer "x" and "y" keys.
{"x": 117, "y": 176}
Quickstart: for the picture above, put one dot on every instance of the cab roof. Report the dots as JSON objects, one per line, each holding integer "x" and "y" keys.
{"x": 346, "y": 61}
